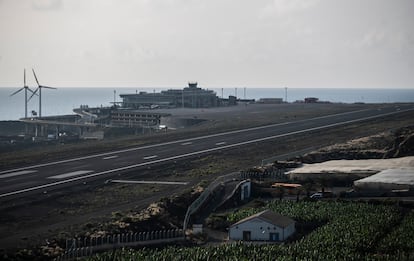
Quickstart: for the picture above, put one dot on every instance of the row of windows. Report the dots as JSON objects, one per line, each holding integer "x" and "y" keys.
{"x": 136, "y": 115}
{"x": 131, "y": 120}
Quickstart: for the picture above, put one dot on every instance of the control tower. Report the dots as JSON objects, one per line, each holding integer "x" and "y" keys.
{"x": 192, "y": 84}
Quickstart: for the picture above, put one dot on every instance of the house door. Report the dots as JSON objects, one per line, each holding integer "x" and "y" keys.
{"x": 246, "y": 192}
{"x": 246, "y": 235}
{"x": 274, "y": 236}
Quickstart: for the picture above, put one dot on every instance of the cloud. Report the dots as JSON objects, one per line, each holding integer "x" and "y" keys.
{"x": 284, "y": 7}
{"x": 217, "y": 41}
{"x": 372, "y": 39}
{"x": 391, "y": 41}
{"x": 46, "y": 5}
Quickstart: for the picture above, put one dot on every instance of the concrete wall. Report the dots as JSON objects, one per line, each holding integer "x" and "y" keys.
{"x": 260, "y": 230}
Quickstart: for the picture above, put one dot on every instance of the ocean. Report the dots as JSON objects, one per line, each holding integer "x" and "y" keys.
{"x": 64, "y": 100}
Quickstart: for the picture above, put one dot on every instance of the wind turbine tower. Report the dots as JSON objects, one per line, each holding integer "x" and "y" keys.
{"x": 26, "y": 88}
{"x": 39, "y": 88}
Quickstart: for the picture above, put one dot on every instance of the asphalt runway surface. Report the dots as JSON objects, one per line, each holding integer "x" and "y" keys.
{"x": 29, "y": 180}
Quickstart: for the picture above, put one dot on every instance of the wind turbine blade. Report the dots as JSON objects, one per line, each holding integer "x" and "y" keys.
{"x": 47, "y": 87}
{"x": 24, "y": 77}
{"x": 33, "y": 94}
{"x": 19, "y": 90}
{"x": 35, "y": 77}
{"x": 30, "y": 90}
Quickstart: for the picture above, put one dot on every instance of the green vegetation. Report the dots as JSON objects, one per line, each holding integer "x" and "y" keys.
{"x": 401, "y": 238}
{"x": 351, "y": 231}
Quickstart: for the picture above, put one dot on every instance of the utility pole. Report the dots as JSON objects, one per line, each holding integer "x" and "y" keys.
{"x": 286, "y": 89}
{"x": 40, "y": 103}
{"x": 115, "y": 98}
{"x": 235, "y": 92}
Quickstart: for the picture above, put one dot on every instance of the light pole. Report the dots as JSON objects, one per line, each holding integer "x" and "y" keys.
{"x": 286, "y": 89}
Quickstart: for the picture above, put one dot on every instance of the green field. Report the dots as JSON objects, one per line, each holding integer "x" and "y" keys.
{"x": 347, "y": 231}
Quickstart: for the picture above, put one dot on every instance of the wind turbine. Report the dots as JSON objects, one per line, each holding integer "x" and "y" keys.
{"x": 26, "y": 88}
{"x": 39, "y": 88}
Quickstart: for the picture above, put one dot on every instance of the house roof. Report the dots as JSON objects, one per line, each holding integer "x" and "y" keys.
{"x": 286, "y": 185}
{"x": 270, "y": 217}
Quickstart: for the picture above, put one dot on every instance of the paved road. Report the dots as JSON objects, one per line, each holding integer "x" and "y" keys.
{"x": 53, "y": 175}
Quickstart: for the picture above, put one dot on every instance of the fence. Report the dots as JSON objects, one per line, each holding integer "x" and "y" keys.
{"x": 80, "y": 247}
{"x": 290, "y": 155}
{"x": 269, "y": 172}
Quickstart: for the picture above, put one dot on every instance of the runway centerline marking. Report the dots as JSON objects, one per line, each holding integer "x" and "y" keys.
{"x": 18, "y": 173}
{"x": 186, "y": 143}
{"x": 70, "y": 174}
{"x": 150, "y": 157}
{"x": 110, "y": 157}
{"x": 221, "y": 143}
{"x": 149, "y": 182}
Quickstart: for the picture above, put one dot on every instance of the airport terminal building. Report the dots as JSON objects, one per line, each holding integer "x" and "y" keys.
{"x": 189, "y": 97}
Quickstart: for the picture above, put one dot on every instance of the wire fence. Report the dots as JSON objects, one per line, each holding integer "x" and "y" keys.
{"x": 86, "y": 246}
{"x": 292, "y": 154}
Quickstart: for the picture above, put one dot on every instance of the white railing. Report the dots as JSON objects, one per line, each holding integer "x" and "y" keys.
{"x": 206, "y": 194}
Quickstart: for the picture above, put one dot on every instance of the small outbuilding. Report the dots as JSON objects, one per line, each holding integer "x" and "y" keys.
{"x": 263, "y": 226}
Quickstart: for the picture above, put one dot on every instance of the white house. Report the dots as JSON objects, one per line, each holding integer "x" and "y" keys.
{"x": 263, "y": 226}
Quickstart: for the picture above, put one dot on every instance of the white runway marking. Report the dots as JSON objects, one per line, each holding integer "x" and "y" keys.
{"x": 221, "y": 143}
{"x": 70, "y": 174}
{"x": 150, "y": 157}
{"x": 186, "y": 143}
{"x": 149, "y": 182}
{"x": 110, "y": 157}
{"x": 18, "y": 173}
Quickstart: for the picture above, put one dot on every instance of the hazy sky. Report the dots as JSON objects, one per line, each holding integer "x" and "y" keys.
{"x": 219, "y": 43}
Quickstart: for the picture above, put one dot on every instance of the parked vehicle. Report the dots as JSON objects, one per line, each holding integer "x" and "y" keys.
{"x": 317, "y": 195}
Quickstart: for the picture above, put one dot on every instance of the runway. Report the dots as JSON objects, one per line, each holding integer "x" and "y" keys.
{"x": 26, "y": 180}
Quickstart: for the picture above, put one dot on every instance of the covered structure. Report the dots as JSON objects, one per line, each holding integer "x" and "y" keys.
{"x": 270, "y": 100}
{"x": 338, "y": 170}
{"x": 386, "y": 181}
{"x": 292, "y": 189}
{"x": 311, "y": 100}
{"x": 263, "y": 226}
